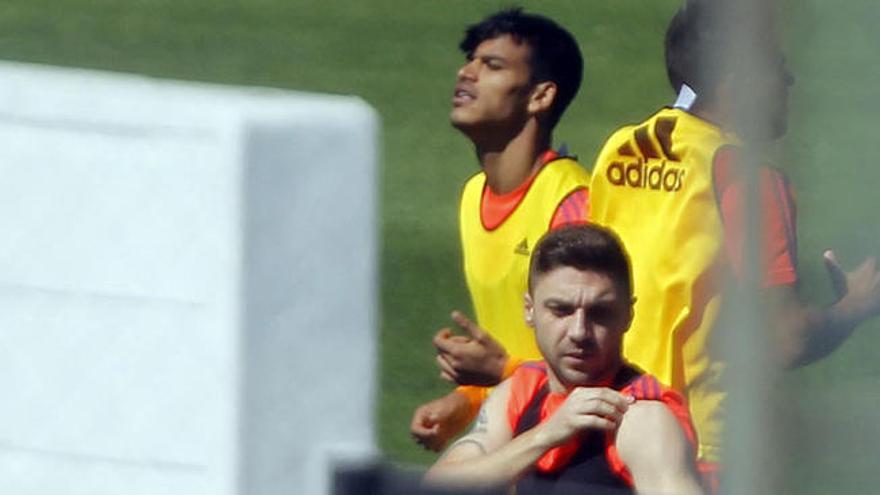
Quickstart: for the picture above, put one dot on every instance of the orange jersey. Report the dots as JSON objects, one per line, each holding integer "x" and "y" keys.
{"x": 531, "y": 403}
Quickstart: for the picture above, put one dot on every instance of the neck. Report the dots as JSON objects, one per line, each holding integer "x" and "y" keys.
{"x": 712, "y": 114}
{"x": 724, "y": 118}
{"x": 509, "y": 162}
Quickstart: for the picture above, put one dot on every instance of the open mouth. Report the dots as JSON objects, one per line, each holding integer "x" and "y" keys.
{"x": 461, "y": 96}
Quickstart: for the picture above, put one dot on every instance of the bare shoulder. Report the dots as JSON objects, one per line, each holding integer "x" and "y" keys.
{"x": 649, "y": 429}
{"x": 654, "y": 447}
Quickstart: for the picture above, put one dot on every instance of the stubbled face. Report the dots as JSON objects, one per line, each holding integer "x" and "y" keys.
{"x": 493, "y": 86}
{"x": 579, "y": 318}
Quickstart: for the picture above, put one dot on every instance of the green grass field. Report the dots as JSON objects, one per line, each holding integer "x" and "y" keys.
{"x": 401, "y": 57}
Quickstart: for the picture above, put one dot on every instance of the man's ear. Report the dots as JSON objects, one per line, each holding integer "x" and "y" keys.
{"x": 529, "y": 307}
{"x": 542, "y": 97}
{"x": 631, "y": 314}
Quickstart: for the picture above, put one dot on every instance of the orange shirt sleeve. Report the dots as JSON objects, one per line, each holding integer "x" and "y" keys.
{"x": 475, "y": 396}
{"x": 778, "y": 216}
{"x": 573, "y": 209}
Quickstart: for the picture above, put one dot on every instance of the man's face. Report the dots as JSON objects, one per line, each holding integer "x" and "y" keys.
{"x": 579, "y": 318}
{"x": 493, "y": 86}
{"x": 766, "y": 89}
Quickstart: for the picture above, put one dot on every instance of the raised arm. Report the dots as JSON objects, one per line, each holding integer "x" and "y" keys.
{"x": 803, "y": 333}
{"x": 653, "y": 446}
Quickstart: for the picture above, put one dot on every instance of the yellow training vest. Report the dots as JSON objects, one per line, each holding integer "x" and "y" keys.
{"x": 496, "y": 262}
{"x": 653, "y": 185}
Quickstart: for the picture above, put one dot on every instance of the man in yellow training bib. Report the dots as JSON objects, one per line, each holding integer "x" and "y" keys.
{"x": 522, "y": 71}
{"x": 670, "y": 187}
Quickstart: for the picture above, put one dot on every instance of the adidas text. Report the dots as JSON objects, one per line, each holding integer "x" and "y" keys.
{"x": 638, "y": 174}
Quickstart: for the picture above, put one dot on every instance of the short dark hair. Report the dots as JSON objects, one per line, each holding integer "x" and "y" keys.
{"x": 584, "y": 247}
{"x": 555, "y": 53}
{"x": 700, "y": 36}
{"x": 695, "y": 47}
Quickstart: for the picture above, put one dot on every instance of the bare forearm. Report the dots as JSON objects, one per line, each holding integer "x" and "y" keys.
{"x": 477, "y": 468}
{"x": 813, "y": 333}
{"x": 809, "y": 333}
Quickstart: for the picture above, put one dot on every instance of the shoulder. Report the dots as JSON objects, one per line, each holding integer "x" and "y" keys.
{"x": 472, "y": 193}
{"x": 525, "y": 382}
{"x": 618, "y": 141}
{"x": 652, "y": 445}
{"x": 618, "y": 137}
{"x": 650, "y": 430}
{"x": 475, "y": 181}
{"x": 565, "y": 168}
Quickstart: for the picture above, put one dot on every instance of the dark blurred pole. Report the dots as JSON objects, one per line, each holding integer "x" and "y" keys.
{"x": 749, "y": 465}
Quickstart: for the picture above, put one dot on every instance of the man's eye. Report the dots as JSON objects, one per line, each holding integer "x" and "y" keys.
{"x": 561, "y": 310}
{"x": 602, "y": 315}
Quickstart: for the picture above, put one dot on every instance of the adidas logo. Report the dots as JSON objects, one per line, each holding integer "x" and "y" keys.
{"x": 641, "y": 151}
{"x": 522, "y": 247}
{"x": 639, "y": 174}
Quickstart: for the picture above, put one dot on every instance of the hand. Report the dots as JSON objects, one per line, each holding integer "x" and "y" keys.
{"x": 586, "y": 408}
{"x": 434, "y": 423}
{"x": 858, "y": 291}
{"x": 474, "y": 359}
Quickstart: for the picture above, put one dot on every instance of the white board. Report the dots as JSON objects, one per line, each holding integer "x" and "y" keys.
{"x": 187, "y": 284}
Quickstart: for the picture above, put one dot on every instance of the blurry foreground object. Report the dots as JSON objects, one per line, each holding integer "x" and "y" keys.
{"x": 187, "y": 286}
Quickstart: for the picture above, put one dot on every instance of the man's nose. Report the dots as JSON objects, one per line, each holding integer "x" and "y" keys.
{"x": 468, "y": 70}
{"x": 581, "y": 329}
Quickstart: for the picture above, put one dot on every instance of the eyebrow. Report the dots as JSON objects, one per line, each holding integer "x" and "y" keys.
{"x": 603, "y": 298}
{"x": 488, "y": 58}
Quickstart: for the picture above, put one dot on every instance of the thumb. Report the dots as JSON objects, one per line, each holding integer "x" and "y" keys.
{"x": 836, "y": 273}
{"x": 467, "y": 325}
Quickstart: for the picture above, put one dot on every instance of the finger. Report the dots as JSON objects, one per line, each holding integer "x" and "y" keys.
{"x": 447, "y": 370}
{"x": 441, "y": 337}
{"x": 597, "y": 407}
{"x": 597, "y": 398}
{"x": 456, "y": 348}
{"x": 596, "y": 423}
{"x": 467, "y": 325}
{"x": 835, "y": 272}
{"x": 603, "y": 393}
{"x": 425, "y": 439}
{"x": 450, "y": 344}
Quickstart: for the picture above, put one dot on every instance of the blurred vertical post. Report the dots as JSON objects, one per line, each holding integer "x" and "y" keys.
{"x": 749, "y": 458}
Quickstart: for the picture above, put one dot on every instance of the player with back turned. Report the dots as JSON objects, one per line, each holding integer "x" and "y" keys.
{"x": 522, "y": 71}
{"x": 671, "y": 188}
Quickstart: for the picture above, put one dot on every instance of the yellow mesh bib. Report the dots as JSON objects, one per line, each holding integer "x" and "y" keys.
{"x": 496, "y": 262}
{"x": 653, "y": 185}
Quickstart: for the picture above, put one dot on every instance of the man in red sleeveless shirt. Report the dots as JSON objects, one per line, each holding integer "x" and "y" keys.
{"x": 583, "y": 419}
